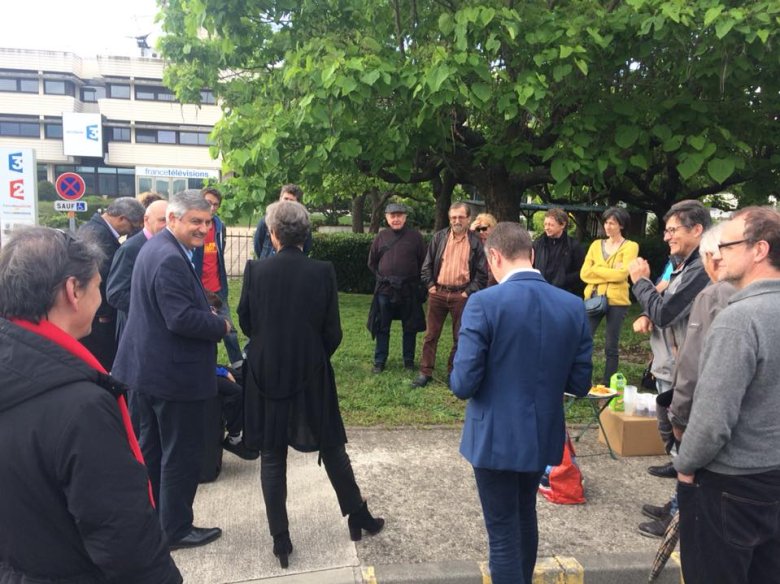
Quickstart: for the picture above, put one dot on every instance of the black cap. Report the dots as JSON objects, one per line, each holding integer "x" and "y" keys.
{"x": 395, "y": 208}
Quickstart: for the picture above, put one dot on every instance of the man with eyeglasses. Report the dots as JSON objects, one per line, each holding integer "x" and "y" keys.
{"x": 124, "y": 216}
{"x": 209, "y": 262}
{"x": 665, "y": 317}
{"x": 454, "y": 267}
{"x": 729, "y": 462}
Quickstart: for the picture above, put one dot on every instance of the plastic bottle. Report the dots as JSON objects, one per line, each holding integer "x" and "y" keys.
{"x": 617, "y": 383}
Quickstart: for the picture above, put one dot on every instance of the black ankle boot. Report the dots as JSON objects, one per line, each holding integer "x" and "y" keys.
{"x": 362, "y": 519}
{"x": 283, "y": 548}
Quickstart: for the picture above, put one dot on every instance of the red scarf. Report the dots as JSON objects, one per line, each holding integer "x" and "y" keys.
{"x": 59, "y": 337}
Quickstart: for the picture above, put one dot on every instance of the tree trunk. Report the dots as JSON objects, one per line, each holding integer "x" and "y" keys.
{"x": 442, "y": 193}
{"x": 378, "y": 199}
{"x": 501, "y": 198}
{"x": 358, "y": 208}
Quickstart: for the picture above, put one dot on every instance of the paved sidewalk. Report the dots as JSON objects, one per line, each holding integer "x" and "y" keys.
{"x": 418, "y": 481}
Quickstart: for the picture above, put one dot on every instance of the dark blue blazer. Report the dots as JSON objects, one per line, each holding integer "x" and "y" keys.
{"x": 119, "y": 277}
{"x": 168, "y": 348}
{"x": 522, "y": 344}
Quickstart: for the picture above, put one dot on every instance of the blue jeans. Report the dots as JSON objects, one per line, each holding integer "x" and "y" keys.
{"x": 408, "y": 342}
{"x": 509, "y": 506}
{"x": 615, "y": 316}
{"x": 730, "y": 528}
{"x": 230, "y": 339}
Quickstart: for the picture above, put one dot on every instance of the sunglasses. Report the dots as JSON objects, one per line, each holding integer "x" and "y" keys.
{"x": 481, "y": 229}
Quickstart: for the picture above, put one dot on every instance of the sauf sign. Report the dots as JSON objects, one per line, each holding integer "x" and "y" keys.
{"x": 18, "y": 189}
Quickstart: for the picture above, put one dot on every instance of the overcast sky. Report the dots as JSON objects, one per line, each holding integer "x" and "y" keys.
{"x": 85, "y": 27}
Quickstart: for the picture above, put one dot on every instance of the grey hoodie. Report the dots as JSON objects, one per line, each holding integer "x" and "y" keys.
{"x": 734, "y": 426}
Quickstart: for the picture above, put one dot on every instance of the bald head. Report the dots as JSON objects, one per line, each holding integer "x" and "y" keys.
{"x": 154, "y": 217}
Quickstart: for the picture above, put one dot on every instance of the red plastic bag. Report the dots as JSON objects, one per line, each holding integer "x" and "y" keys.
{"x": 564, "y": 484}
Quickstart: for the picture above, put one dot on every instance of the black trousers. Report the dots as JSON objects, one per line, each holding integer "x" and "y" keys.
{"x": 730, "y": 528}
{"x": 172, "y": 439}
{"x": 273, "y": 478}
{"x": 232, "y": 395}
{"x": 615, "y": 316}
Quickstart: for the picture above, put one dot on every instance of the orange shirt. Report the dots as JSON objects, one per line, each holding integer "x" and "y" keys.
{"x": 455, "y": 262}
{"x": 210, "y": 275}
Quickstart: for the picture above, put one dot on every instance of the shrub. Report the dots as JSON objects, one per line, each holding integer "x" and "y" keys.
{"x": 349, "y": 254}
{"x": 47, "y": 191}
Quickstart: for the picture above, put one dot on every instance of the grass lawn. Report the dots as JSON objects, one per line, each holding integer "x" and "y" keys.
{"x": 389, "y": 400}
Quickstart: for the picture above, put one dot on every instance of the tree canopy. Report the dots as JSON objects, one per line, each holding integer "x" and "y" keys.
{"x": 640, "y": 101}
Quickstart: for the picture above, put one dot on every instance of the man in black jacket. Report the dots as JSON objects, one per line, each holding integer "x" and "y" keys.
{"x": 557, "y": 256}
{"x": 454, "y": 267}
{"x": 395, "y": 258}
{"x": 75, "y": 504}
{"x": 122, "y": 217}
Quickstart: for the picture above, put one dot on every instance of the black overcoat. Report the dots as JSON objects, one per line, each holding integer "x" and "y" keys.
{"x": 289, "y": 310}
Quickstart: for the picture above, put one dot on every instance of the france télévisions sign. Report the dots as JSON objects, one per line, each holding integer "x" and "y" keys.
{"x": 18, "y": 189}
{"x": 70, "y": 186}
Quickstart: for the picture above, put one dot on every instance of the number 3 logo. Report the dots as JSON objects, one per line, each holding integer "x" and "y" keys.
{"x": 16, "y": 162}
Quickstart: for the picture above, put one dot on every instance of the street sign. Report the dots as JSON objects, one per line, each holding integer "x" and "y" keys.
{"x": 71, "y": 206}
{"x": 70, "y": 186}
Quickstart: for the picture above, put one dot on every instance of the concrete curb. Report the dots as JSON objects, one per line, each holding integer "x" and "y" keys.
{"x": 625, "y": 568}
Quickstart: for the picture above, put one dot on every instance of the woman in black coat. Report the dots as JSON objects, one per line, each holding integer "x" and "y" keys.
{"x": 289, "y": 310}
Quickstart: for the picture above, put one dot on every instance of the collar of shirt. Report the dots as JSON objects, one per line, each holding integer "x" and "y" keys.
{"x": 517, "y": 271}
{"x": 456, "y": 239}
{"x": 147, "y": 233}
{"x": 187, "y": 251}
{"x": 111, "y": 227}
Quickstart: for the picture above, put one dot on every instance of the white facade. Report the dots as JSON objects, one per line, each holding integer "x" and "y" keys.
{"x": 142, "y": 126}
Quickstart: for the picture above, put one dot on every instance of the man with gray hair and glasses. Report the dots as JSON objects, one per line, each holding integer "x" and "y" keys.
{"x": 728, "y": 469}
{"x": 123, "y": 216}
{"x": 167, "y": 356}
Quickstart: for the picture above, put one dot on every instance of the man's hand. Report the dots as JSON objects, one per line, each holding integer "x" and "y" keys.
{"x": 685, "y": 478}
{"x": 432, "y": 290}
{"x": 638, "y": 269}
{"x": 464, "y": 294}
{"x": 228, "y": 328}
{"x": 643, "y": 325}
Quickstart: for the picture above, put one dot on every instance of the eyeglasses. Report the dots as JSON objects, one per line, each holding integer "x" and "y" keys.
{"x": 481, "y": 229}
{"x": 732, "y": 243}
{"x": 673, "y": 230}
{"x": 214, "y": 205}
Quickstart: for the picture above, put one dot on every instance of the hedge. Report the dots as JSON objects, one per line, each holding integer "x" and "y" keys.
{"x": 349, "y": 254}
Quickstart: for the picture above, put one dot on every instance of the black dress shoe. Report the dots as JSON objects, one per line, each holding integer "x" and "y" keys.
{"x": 664, "y": 471}
{"x": 240, "y": 450}
{"x": 378, "y": 368}
{"x": 656, "y": 528}
{"x": 197, "y": 536}
{"x": 409, "y": 365}
{"x": 283, "y": 547}
{"x": 421, "y": 380}
{"x": 656, "y": 512}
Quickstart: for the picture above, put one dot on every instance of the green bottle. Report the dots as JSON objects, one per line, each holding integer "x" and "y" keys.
{"x": 617, "y": 383}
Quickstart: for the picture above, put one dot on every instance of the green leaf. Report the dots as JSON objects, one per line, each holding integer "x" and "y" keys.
{"x": 639, "y": 161}
{"x": 437, "y": 76}
{"x": 482, "y": 91}
{"x": 712, "y": 14}
{"x": 625, "y": 136}
{"x": 697, "y": 142}
{"x": 724, "y": 27}
{"x": 581, "y": 65}
{"x": 566, "y": 51}
{"x": 690, "y": 165}
{"x": 370, "y": 77}
{"x": 602, "y": 164}
{"x": 763, "y": 34}
{"x": 561, "y": 71}
{"x": 672, "y": 144}
{"x": 487, "y": 15}
{"x": 558, "y": 170}
{"x": 350, "y": 148}
{"x": 720, "y": 168}
{"x": 446, "y": 23}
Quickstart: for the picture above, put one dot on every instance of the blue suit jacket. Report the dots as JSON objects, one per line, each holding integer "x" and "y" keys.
{"x": 168, "y": 347}
{"x": 119, "y": 278}
{"x": 522, "y": 344}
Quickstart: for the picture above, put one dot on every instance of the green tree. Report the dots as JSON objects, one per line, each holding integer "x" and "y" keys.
{"x": 641, "y": 101}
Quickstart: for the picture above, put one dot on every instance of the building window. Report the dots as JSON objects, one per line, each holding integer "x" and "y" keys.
{"x": 166, "y": 137}
{"x": 52, "y": 130}
{"x": 92, "y": 94}
{"x": 20, "y": 129}
{"x": 119, "y": 134}
{"x": 146, "y": 136}
{"x": 153, "y": 93}
{"x": 18, "y": 85}
{"x": 119, "y": 91}
{"x": 194, "y": 138}
{"x": 207, "y": 97}
{"x": 52, "y": 87}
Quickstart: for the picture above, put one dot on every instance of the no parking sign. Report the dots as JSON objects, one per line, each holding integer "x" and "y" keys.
{"x": 70, "y": 186}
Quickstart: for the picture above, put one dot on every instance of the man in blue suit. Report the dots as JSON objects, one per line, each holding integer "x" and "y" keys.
{"x": 167, "y": 356}
{"x": 522, "y": 344}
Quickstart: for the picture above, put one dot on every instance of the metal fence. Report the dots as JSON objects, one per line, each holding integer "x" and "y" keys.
{"x": 238, "y": 249}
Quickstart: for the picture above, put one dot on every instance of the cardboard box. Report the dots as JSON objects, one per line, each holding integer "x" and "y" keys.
{"x": 631, "y": 435}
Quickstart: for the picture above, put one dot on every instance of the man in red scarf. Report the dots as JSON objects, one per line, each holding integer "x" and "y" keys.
{"x": 75, "y": 502}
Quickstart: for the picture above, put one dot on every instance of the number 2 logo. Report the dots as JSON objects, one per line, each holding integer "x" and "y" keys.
{"x": 17, "y": 189}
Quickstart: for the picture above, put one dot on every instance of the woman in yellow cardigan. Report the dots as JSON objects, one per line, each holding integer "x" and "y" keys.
{"x": 605, "y": 272}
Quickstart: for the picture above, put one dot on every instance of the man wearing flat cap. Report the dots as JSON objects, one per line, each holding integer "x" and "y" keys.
{"x": 396, "y": 258}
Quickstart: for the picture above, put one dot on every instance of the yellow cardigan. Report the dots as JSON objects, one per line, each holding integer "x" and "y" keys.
{"x": 609, "y": 276}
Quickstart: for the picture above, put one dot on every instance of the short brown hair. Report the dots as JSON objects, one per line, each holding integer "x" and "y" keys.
{"x": 461, "y": 204}
{"x": 294, "y": 190}
{"x": 511, "y": 239}
{"x": 212, "y": 191}
{"x": 762, "y": 224}
{"x": 559, "y": 215}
